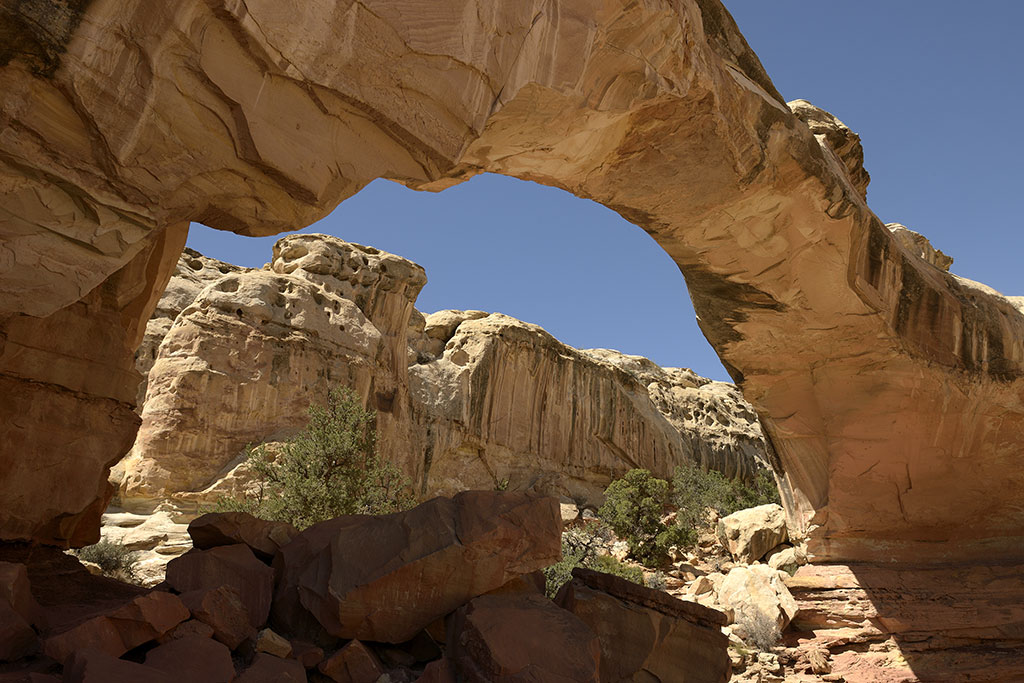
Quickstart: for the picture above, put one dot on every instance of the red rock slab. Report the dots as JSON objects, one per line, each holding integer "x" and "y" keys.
{"x": 94, "y": 666}
{"x": 648, "y": 634}
{"x": 145, "y": 618}
{"x": 440, "y": 671}
{"x": 521, "y": 638}
{"x": 354, "y": 663}
{"x": 221, "y": 609}
{"x": 229, "y": 565}
{"x": 17, "y": 637}
{"x": 187, "y": 629}
{"x": 16, "y": 592}
{"x": 193, "y": 659}
{"x": 270, "y": 669}
{"x": 384, "y": 578}
{"x": 307, "y": 654}
{"x": 228, "y": 528}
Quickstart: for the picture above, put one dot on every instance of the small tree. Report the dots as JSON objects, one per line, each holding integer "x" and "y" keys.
{"x": 330, "y": 468}
{"x": 694, "y": 491}
{"x": 582, "y": 547}
{"x": 633, "y": 508}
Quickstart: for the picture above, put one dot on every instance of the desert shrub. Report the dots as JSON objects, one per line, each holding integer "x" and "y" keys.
{"x": 330, "y": 468}
{"x": 634, "y": 507}
{"x": 582, "y": 547}
{"x": 657, "y": 581}
{"x": 695, "y": 490}
{"x": 761, "y": 631}
{"x": 116, "y": 561}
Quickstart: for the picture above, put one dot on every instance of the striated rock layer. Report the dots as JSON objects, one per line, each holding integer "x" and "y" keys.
{"x": 486, "y": 400}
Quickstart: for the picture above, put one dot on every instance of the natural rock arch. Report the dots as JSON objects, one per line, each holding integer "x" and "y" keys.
{"x": 891, "y": 390}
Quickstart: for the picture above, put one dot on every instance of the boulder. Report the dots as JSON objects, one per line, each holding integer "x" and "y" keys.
{"x": 228, "y": 528}
{"x": 273, "y": 644}
{"x": 354, "y": 663}
{"x": 95, "y": 666}
{"x": 787, "y": 559}
{"x": 193, "y": 628}
{"x": 193, "y": 659}
{"x": 645, "y": 634}
{"x": 18, "y": 609}
{"x": 229, "y": 565}
{"x": 757, "y": 590}
{"x": 440, "y": 671}
{"x": 141, "y": 620}
{"x": 270, "y": 669}
{"x": 519, "y": 638}
{"x": 751, "y": 534}
{"x": 307, "y": 654}
{"x": 384, "y": 578}
{"x": 222, "y": 609}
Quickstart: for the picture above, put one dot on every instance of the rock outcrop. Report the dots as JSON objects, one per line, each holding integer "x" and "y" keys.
{"x": 486, "y": 399}
{"x": 244, "y": 360}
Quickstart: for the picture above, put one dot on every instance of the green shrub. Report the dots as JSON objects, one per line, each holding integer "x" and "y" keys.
{"x": 116, "y": 561}
{"x": 633, "y": 509}
{"x": 694, "y": 491}
{"x": 582, "y": 547}
{"x": 330, "y": 468}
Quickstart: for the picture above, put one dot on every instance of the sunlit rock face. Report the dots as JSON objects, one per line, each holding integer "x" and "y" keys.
{"x": 486, "y": 401}
{"x": 507, "y": 403}
{"x": 890, "y": 390}
{"x": 244, "y": 360}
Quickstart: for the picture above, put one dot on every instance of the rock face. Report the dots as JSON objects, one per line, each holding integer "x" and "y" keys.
{"x": 890, "y": 390}
{"x": 646, "y": 635}
{"x": 486, "y": 399}
{"x": 244, "y": 360}
{"x": 504, "y": 401}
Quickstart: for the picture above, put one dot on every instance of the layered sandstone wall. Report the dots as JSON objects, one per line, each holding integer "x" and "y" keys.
{"x": 464, "y": 399}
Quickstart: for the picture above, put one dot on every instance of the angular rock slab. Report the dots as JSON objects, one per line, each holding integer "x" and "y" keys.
{"x": 749, "y": 591}
{"x": 145, "y": 618}
{"x": 354, "y": 663}
{"x": 228, "y": 528}
{"x": 751, "y": 534}
{"x": 646, "y": 634}
{"x": 228, "y": 565}
{"x": 223, "y": 611}
{"x": 192, "y": 659}
{"x": 270, "y": 669}
{"x": 18, "y": 609}
{"x": 95, "y": 666}
{"x": 384, "y": 578}
{"x": 520, "y": 638}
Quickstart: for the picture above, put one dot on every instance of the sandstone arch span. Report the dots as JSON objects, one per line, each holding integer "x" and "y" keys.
{"x": 892, "y": 390}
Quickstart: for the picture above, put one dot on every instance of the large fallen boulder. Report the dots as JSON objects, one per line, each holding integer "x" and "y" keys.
{"x": 384, "y": 578}
{"x": 264, "y": 538}
{"x": 646, "y": 634}
{"x": 751, "y": 534}
{"x": 757, "y": 594}
{"x": 143, "y": 619}
{"x": 228, "y": 565}
{"x": 519, "y": 638}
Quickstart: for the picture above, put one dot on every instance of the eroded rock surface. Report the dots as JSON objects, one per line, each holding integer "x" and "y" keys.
{"x": 486, "y": 400}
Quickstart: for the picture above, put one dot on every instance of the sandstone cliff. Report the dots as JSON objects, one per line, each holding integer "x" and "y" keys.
{"x": 486, "y": 400}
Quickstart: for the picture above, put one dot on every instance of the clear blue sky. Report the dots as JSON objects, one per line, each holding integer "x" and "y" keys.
{"x": 934, "y": 89}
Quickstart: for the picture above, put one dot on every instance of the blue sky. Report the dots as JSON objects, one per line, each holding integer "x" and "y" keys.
{"x": 934, "y": 90}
